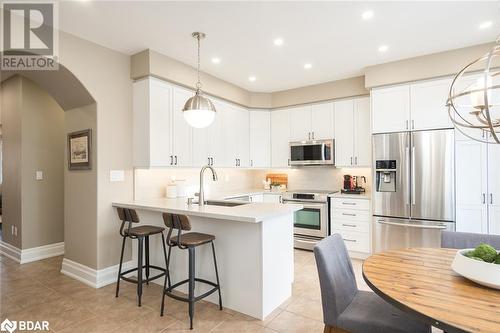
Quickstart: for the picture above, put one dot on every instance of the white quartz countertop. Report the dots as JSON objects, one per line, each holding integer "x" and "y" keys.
{"x": 365, "y": 196}
{"x": 249, "y": 212}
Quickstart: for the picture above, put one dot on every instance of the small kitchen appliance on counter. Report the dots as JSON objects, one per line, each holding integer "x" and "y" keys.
{"x": 311, "y": 222}
{"x": 352, "y": 184}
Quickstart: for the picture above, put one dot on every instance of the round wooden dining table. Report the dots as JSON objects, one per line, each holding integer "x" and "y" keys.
{"x": 420, "y": 282}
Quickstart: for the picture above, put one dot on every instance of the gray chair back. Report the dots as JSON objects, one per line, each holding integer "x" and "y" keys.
{"x": 466, "y": 240}
{"x": 336, "y": 277}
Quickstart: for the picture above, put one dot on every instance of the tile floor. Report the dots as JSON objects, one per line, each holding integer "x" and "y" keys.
{"x": 38, "y": 291}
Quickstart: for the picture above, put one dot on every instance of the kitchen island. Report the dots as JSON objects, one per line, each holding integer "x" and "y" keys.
{"x": 254, "y": 245}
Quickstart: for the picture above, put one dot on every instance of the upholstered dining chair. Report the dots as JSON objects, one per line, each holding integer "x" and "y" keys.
{"x": 347, "y": 309}
{"x": 467, "y": 240}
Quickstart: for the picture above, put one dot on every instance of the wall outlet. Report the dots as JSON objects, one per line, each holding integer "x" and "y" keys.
{"x": 116, "y": 175}
{"x": 39, "y": 175}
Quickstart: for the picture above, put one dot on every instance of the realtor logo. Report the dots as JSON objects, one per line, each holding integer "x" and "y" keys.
{"x": 29, "y": 38}
{"x": 8, "y": 326}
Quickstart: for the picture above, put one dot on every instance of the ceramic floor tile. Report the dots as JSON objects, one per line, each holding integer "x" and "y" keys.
{"x": 287, "y": 322}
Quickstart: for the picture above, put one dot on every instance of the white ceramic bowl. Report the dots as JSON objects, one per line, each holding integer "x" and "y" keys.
{"x": 484, "y": 273}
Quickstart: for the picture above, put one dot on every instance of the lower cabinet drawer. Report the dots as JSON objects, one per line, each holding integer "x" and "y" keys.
{"x": 354, "y": 241}
{"x": 347, "y": 203}
{"x": 349, "y": 225}
{"x": 351, "y": 215}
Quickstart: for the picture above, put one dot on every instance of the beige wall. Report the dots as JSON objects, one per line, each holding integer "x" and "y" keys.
{"x": 106, "y": 75}
{"x": 33, "y": 140}
{"x": 11, "y": 162}
{"x": 320, "y": 92}
{"x": 152, "y": 63}
{"x": 80, "y": 195}
{"x": 423, "y": 67}
{"x": 43, "y": 143}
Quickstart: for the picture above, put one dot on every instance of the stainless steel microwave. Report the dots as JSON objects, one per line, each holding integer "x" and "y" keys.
{"x": 314, "y": 152}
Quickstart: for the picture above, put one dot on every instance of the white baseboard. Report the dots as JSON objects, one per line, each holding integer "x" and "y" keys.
{"x": 91, "y": 277}
{"x": 10, "y": 251}
{"x": 42, "y": 252}
{"x": 32, "y": 254}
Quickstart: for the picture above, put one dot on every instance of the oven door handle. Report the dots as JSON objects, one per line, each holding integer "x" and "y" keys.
{"x": 306, "y": 204}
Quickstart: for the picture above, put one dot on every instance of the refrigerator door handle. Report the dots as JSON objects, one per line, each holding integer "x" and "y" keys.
{"x": 412, "y": 184}
{"x": 407, "y": 157}
{"x": 413, "y": 225}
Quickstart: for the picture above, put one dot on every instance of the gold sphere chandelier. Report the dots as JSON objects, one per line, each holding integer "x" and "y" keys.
{"x": 474, "y": 99}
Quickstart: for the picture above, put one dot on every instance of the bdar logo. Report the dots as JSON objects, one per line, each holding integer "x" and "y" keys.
{"x": 8, "y": 326}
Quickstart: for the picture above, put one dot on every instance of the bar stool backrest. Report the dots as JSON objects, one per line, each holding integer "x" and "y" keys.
{"x": 127, "y": 215}
{"x": 176, "y": 221}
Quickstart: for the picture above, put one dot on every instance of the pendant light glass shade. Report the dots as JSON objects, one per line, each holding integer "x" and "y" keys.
{"x": 199, "y": 111}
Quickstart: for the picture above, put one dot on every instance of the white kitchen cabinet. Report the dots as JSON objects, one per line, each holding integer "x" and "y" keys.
{"x": 352, "y": 133}
{"x": 260, "y": 139}
{"x": 181, "y": 130}
{"x": 300, "y": 123}
{"x": 312, "y": 122}
{"x": 428, "y": 104}
{"x": 208, "y": 143}
{"x": 152, "y": 141}
{"x": 280, "y": 138}
{"x": 362, "y": 136}
{"x": 351, "y": 219}
{"x": 236, "y": 136}
{"x": 390, "y": 109}
{"x": 322, "y": 121}
{"x": 471, "y": 186}
{"x": 344, "y": 133}
{"x": 494, "y": 189}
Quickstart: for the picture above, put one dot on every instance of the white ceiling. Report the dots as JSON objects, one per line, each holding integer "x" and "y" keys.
{"x": 331, "y": 36}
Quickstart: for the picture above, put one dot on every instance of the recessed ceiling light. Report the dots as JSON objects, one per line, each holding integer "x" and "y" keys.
{"x": 252, "y": 78}
{"x": 216, "y": 60}
{"x": 485, "y": 25}
{"x": 307, "y": 66}
{"x": 367, "y": 15}
{"x": 278, "y": 41}
{"x": 383, "y": 48}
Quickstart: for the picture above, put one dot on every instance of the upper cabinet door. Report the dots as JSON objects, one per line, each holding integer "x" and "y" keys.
{"x": 181, "y": 130}
{"x": 428, "y": 105}
{"x": 494, "y": 188}
{"x": 390, "y": 109}
{"x": 280, "y": 138}
{"x": 260, "y": 139}
{"x": 322, "y": 121}
{"x": 300, "y": 123}
{"x": 152, "y": 104}
{"x": 471, "y": 186}
{"x": 344, "y": 133}
{"x": 362, "y": 135}
{"x": 243, "y": 138}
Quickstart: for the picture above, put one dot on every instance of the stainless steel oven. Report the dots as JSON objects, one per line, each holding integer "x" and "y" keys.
{"x": 311, "y": 222}
{"x": 315, "y": 152}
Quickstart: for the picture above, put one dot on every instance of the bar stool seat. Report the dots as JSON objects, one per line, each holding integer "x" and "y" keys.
{"x": 193, "y": 239}
{"x": 145, "y": 230}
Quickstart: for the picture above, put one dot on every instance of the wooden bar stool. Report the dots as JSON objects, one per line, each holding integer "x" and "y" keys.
{"x": 188, "y": 241}
{"x": 141, "y": 233}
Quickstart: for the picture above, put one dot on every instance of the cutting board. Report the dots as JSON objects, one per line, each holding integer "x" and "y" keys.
{"x": 280, "y": 178}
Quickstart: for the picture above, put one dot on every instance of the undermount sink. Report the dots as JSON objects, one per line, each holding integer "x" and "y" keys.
{"x": 224, "y": 203}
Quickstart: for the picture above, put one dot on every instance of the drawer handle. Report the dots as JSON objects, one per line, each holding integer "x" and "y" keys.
{"x": 349, "y": 203}
{"x": 349, "y": 225}
{"x": 349, "y": 240}
{"x": 348, "y": 214}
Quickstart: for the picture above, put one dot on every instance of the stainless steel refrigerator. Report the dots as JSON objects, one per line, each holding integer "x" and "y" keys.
{"x": 413, "y": 190}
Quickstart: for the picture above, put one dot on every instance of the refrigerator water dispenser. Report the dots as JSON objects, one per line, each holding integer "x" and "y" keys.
{"x": 385, "y": 175}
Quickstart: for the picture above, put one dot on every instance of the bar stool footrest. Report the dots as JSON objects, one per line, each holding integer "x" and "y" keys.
{"x": 169, "y": 293}
{"x": 132, "y": 280}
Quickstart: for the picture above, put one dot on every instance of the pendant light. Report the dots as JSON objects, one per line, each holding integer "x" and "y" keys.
{"x": 475, "y": 109}
{"x": 199, "y": 111}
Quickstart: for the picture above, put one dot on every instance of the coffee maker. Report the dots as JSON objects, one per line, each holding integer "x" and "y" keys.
{"x": 352, "y": 184}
